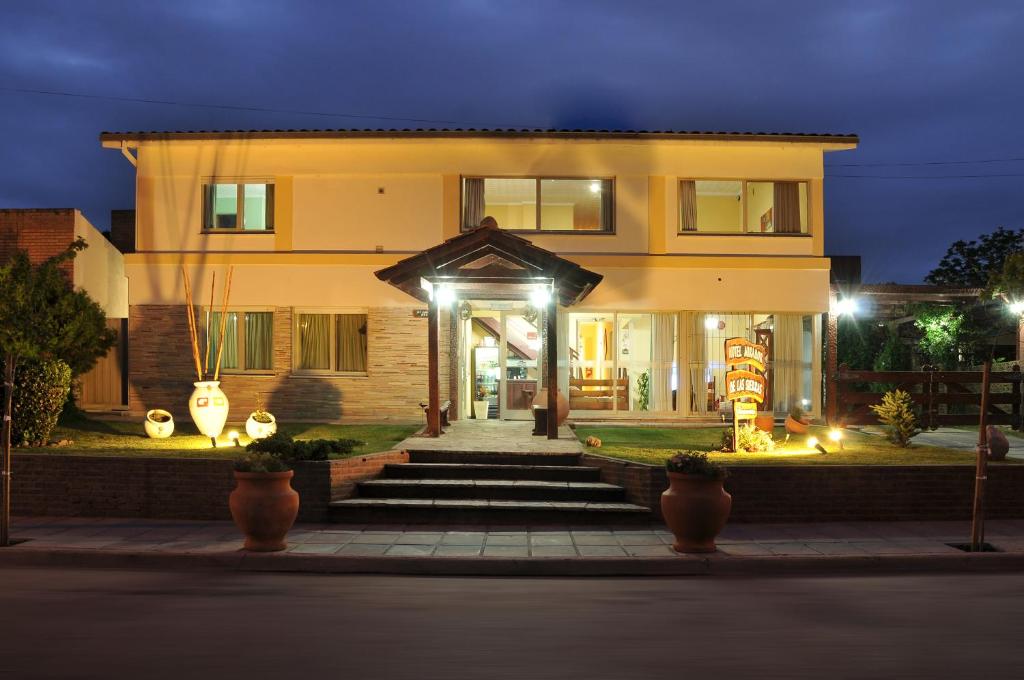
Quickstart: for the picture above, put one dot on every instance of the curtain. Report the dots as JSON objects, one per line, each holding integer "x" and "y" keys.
{"x": 663, "y": 339}
{"x": 697, "y": 361}
{"x": 314, "y": 331}
{"x": 786, "y": 213}
{"x": 229, "y": 359}
{"x": 259, "y": 338}
{"x": 688, "y": 201}
{"x": 351, "y": 342}
{"x": 473, "y": 202}
{"x": 607, "y": 206}
{"x": 788, "y": 362}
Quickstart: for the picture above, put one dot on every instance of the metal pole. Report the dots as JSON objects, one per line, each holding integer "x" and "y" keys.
{"x": 5, "y": 446}
{"x": 981, "y": 466}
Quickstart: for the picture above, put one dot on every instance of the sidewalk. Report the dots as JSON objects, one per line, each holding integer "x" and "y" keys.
{"x": 747, "y": 549}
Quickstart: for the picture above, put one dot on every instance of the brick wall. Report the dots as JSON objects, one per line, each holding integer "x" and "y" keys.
{"x": 161, "y": 370}
{"x": 168, "y": 488}
{"x": 824, "y": 493}
{"x": 41, "y": 233}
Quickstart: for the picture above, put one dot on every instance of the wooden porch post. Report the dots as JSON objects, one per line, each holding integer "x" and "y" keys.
{"x": 551, "y": 316}
{"x": 832, "y": 369}
{"x": 433, "y": 377}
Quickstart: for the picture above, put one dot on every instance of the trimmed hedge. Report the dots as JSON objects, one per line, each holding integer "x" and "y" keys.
{"x": 40, "y": 390}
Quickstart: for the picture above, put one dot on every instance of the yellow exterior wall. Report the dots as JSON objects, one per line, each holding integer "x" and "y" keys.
{"x": 99, "y": 270}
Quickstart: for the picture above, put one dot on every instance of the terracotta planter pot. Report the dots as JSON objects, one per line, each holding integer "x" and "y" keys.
{"x": 695, "y": 510}
{"x": 765, "y": 422}
{"x": 998, "y": 444}
{"x": 264, "y": 506}
{"x": 541, "y": 400}
{"x": 794, "y": 426}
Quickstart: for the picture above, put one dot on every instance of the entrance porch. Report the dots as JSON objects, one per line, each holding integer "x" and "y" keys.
{"x": 494, "y": 436}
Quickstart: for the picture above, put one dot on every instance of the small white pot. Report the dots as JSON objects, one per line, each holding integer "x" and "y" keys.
{"x": 208, "y": 406}
{"x": 257, "y": 430}
{"x": 481, "y": 408}
{"x": 157, "y": 429}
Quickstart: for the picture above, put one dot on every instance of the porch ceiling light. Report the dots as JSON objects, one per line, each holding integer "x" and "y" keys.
{"x": 540, "y": 297}
{"x": 848, "y": 306}
{"x": 445, "y": 296}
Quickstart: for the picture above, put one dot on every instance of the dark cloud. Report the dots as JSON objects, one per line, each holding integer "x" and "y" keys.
{"x": 917, "y": 80}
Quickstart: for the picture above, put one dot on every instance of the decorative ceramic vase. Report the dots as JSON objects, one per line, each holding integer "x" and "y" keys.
{"x": 208, "y": 406}
{"x": 695, "y": 509}
{"x": 794, "y": 426}
{"x": 480, "y": 408}
{"x": 257, "y": 430}
{"x": 765, "y": 422}
{"x": 264, "y": 506}
{"x": 159, "y": 424}
{"x": 541, "y": 400}
{"x": 998, "y": 444}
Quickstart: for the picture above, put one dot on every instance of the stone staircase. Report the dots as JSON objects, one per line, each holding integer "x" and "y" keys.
{"x": 489, "y": 488}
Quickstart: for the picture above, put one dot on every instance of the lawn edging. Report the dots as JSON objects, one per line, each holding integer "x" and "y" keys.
{"x": 72, "y": 485}
{"x": 836, "y": 493}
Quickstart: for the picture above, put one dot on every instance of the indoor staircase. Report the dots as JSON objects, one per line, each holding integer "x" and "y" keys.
{"x": 444, "y": 487}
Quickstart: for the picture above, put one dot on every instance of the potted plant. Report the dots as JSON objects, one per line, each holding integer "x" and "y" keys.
{"x": 481, "y": 404}
{"x": 261, "y": 423}
{"x": 796, "y": 421}
{"x": 159, "y": 424}
{"x": 264, "y": 505}
{"x": 695, "y": 506}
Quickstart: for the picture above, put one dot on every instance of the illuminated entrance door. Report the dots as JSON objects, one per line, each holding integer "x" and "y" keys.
{"x": 520, "y": 363}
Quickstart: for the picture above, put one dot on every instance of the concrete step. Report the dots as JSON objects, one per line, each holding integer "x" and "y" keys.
{"x": 551, "y": 473}
{"x": 485, "y": 512}
{"x": 493, "y": 458}
{"x": 492, "y": 489}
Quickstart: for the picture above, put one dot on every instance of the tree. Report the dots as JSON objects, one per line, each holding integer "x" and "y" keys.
{"x": 42, "y": 317}
{"x": 1007, "y": 284}
{"x": 972, "y": 263}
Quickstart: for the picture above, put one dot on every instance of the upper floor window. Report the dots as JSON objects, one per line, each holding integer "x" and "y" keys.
{"x": 742, "y": 206}
{"x": 540, "y": 203}
{"x": 238, "y": 207}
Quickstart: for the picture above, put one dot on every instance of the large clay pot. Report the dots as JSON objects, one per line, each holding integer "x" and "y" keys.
{"x": 541, "y": 400}
{"x": 264, "y": 506}
{"x": 765, "y": 422}
{"x": 998, "y": 444}
{"x": 695, "y": 510}
{"x": 208, "y": 406}
{"x": 794, "y": 426}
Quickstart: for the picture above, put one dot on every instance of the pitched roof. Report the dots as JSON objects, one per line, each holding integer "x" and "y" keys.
{"x": 471, "y": 133}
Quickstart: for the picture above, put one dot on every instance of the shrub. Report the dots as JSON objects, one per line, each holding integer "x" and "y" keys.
{"x": 643, "y": 390}
{"x": 751, "y": 439}
{"x": 896, "y": 413}
{"x": 796, "y": 413}
{"x": 695, "y": 463}
{"x": 288, "y": 449}
{"x": 257, "y": 461}
{"x": 40, "y": 390}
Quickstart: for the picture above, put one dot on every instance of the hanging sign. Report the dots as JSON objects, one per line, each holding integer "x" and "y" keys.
{"x": 743, "y": 384}
{"x": 739, "y": 351}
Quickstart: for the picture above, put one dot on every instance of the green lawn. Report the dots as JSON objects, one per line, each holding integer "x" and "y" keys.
{"x": 655, "y": 445}
{"x": 127, "y": 438}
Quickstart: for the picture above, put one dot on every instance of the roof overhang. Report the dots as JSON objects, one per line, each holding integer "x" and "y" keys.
{"x": 487, "y": 262}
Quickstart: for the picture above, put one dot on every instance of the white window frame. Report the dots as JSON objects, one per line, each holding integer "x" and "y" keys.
{"x": 745, "y": 227}
{"x": 538, "y": 179}
{"x": 332, "y": 341}
{"x": 239, "y": 183}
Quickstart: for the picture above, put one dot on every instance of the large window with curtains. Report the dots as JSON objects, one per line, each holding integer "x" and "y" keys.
{"x": 568, "y": 204}
{"x": 330, "y": 342}
{"x": 713, "y": 206}
{"x": 248, "y": 341}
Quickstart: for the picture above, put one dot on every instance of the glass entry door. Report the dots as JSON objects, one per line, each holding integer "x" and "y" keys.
{"x": 521, "y": 363}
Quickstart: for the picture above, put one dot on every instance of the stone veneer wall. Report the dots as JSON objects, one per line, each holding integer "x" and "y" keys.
{"x": 161, "y": 371}
{"x": 837, "y": 493}
{"x": 169, "y": 488}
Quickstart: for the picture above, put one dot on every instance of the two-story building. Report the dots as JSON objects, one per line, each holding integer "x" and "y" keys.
{"x": 666, "y": 244}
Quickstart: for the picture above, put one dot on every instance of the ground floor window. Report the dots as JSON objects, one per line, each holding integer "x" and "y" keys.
{"x": 330, "y": 342}
{"x": 248, "y": 340}
{"x": 790, "y": 342}
{"x": 622, "y": 361}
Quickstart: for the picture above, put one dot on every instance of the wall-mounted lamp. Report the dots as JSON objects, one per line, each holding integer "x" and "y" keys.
{"x": 540, "y": 297}
{"x": 444, "y": 295}
{"x": 848, "y": 306}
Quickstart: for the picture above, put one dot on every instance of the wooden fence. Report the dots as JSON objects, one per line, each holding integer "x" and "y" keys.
{"x": 944, "y": 397}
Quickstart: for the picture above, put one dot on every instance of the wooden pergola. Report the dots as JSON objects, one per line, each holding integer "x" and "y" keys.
{"x": 489, "y": 263}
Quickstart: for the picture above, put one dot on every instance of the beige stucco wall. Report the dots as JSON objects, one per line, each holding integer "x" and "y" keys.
{"x": 99, "y": 270}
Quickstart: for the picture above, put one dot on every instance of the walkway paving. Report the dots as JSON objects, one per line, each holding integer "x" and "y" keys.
{"x": 756, "y": 548}
{"x": 507, "y": 436}
{"x": 967, "y": 440}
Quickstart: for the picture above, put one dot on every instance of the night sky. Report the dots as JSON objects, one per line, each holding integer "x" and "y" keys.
{"x": 918, "y": 81}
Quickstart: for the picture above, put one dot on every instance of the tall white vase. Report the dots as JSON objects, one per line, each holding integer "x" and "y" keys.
{"x": 208, "y": 406}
